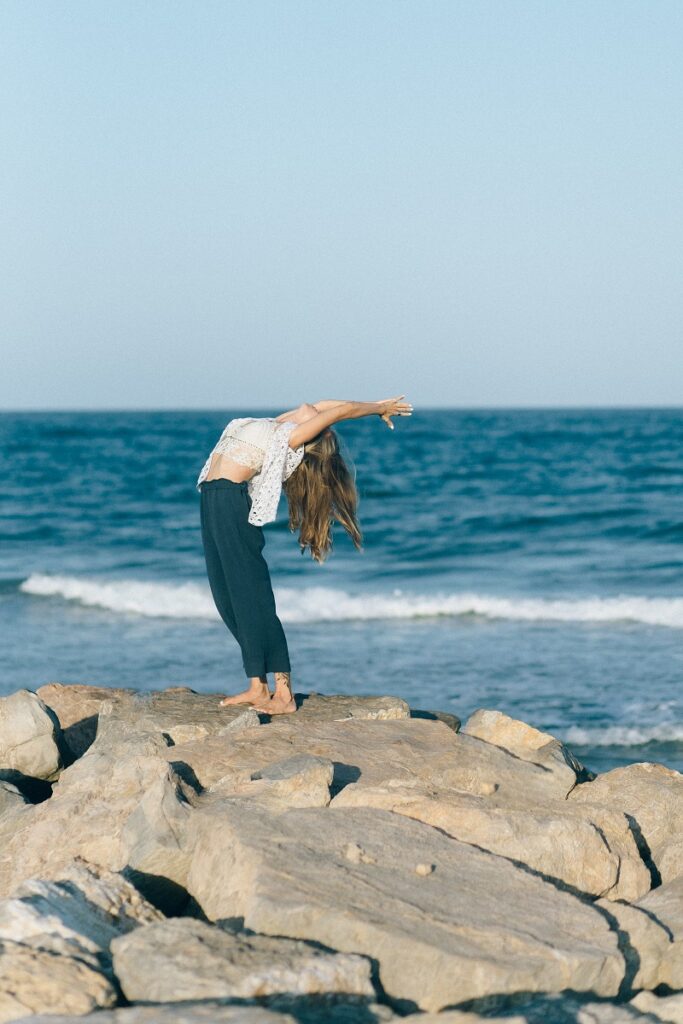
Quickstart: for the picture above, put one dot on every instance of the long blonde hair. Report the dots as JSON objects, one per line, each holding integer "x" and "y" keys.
{"x": 320, "y": 490}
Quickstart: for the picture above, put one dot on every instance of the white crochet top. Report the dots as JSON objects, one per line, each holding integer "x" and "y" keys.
{"x": 261, "y": 443}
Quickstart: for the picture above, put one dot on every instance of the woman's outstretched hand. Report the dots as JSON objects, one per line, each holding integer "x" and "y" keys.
{"x": 393, "y": 407}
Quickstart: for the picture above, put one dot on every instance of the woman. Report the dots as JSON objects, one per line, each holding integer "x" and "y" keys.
{"x": 240, "y": 486}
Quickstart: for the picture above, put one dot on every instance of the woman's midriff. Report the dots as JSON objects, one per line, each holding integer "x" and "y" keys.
{"x": 223, "y": 468}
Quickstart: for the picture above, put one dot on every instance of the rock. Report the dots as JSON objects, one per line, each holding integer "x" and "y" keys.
{"x": 76, "y": 915}
{"x": 205, "y": 1012}
{"x": 556, "y": 1009}
{"x": 84, "y": 817}
{"x": 77, "y": 707}
{"x": 11, "y": 798}
{"x": 530, "y": 744}
{"x": 593, "y": 850}
{"x": 654, "y": 925}
{"x": 314, "y": 707}
{"x": 370, "y": 753}
{"x": 452, "y": 721}
{"x": 35, "y": 981}
{"x": 477, "y": 925}
{"x": 182, "y": 959}
{"x": 156, "y": 840}
{"x": 298, "y": 781}
{"x": 664, "y": 1008}
{"x": 29, "y": 736}
{"x": 179, "y": 712}
{"x": 651, "y": 795}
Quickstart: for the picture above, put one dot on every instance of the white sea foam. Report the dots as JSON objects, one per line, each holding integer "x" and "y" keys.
{"x": 623, "y": 735}
{"x": 328, "y": 604}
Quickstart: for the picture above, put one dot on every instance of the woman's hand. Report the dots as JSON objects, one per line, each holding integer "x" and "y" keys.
{"x": 393, "y": 407}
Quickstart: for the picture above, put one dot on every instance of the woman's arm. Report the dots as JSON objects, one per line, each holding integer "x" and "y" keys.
{"x": 339, "y": 411}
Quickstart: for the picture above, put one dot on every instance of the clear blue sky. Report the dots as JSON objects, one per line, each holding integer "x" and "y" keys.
{"x": 258, "y": 203}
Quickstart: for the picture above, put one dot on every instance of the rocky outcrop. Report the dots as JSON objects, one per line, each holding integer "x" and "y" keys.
{"x": 358, "y": 861}
{"x": 652, "y": 797}
{"x": 184, "y": 959}
{"x": 29, "y": 737}
{"x": 474, "y": 924}
{"x": 591, "y": 849}
{"x": 55, "y": 939}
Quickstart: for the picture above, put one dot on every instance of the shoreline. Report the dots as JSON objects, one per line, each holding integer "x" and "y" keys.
{"x": 358, "y": 857}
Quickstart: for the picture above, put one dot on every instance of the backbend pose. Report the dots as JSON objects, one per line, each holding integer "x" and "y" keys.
{"x": 240, "y": 484}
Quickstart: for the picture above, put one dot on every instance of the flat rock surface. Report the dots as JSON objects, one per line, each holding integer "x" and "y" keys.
{"x": 183, "y": 959}
{"x": 589, "y": 848}
{"x": 314, "y": 707}
{"x": 655, "y": 927}
{"x": 653, "y": 797}
{"x": 474, "y": 924}
{"x": 204, "y": 1012}
{"x": 373, "y": 752}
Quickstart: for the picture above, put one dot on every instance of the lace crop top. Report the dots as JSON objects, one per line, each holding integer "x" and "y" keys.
{"x": 261, "y": 443}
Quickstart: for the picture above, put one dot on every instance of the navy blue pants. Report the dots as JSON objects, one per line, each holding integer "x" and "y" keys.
{"x": 239, "y": 576}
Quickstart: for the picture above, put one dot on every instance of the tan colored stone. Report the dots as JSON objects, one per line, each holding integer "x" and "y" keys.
{"x": 665, "y": 1008}
{"x": 477, "y": 925}
{"x": 85, "y": 815}
{"x": 11, "y": 798}
{"x": 527, "y": 742}
{"x": 370, "y": 753}
{"x": 183, "y": 959}
{"x": 29, "y": 736}
{"x": 35, "y": 981}
{"x": 77, "y": 914}
{"x": 179, "y": 712}
{"x": 653, "y": 931}
{"x": 589, "y": 848}
{"x": 314, "y": 707}
{"x": 298, "y": 781}
{"x": 651, "y": 795}
{"x": 204, "y": 1012}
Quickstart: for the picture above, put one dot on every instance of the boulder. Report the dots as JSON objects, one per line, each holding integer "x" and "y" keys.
{"x": 35, "y": 981}
{"x": 182, "y": 959}
{"x": 180, "y": 713}
{"x": 654, "y": 925}
{"x": 558, "y": 1009}
{"x": 530, "y": 744}
{"x": 651, "y": 796}
{"x": 373, "y": 752}
{"x": 77, "y": 707}
{"x": 76, "y": 915}
{"x": 29, "y": 736}
{"x": 84, "y": 817}
{"x": 156, "y": 842}
{"x": 665, "y": 1008}
{"x": 472, "y": 925}
{"x": 314, "y": 707}
{"x": 589, "y": 848}
{"x": 302, "y": 780}
{"x": 11, "y": 798}
{"x": 205, "y": 1012}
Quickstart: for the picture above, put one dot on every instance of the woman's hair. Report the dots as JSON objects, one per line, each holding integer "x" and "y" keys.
{"x": 320, "y": 490}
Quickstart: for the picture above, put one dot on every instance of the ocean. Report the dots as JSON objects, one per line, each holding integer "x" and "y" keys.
{"x": 529, "y": 561}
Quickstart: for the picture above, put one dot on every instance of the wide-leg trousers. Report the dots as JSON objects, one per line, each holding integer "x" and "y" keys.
{"x": 239, "y": 577}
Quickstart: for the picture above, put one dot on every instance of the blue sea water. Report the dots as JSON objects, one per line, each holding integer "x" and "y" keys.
{"x": 529, "y": 561}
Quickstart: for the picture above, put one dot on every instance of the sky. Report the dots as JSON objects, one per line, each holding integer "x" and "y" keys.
{"x": 253, "y": 204}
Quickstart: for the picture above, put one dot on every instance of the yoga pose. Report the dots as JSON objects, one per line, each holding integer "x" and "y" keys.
{"x": 240, "y": 484}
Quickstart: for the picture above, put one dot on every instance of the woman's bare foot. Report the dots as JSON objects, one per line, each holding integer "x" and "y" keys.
{"x": 282, "y": 702}
{"x": 257, "y": 693}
